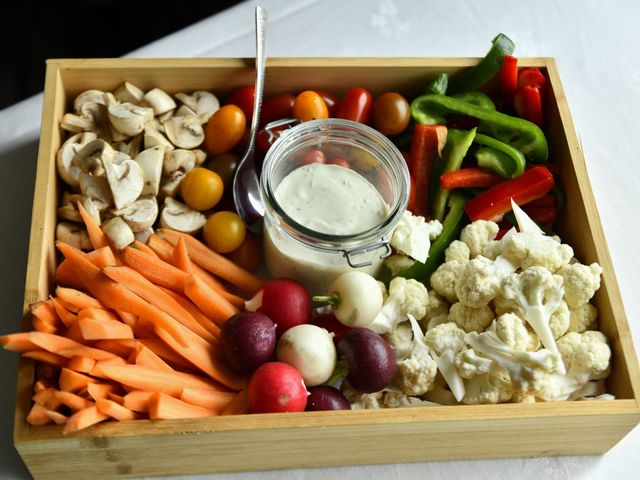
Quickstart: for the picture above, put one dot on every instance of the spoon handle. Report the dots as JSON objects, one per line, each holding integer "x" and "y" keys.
{"x": 261, "y": 47}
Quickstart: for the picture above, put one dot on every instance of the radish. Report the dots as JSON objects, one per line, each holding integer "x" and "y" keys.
{"x": 310, "y": 350}
{"x": 284, "y": 301}
{"x": 248, "y": 340}
{"x": 277, "y": 387}
{"x": 326, "y": 398}
{"x": 355, "y": 297}
{"x": 330, "y": 323}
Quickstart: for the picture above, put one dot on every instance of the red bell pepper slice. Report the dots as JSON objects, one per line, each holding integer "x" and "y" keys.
{"x": 426, "y": 145}
{"x": 508, "y": 79}
{"x": 531, "y": 77}
{"x": 543, "y": 216}
{"x": 528, "y": 104}
{"x": 547, "y": 201}
{"x": 496, "y": 201}
{"x": 472, "y": 177}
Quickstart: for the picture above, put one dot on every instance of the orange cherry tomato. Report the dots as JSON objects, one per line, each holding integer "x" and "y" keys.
{"x": 224, "y": 232}
{"x": 248, "y": 255}
{"x": 391, "y": 113}
{"x": 225, "y": 129}
{"x": 309, "y": 105}
{"x": 201, "y": 189}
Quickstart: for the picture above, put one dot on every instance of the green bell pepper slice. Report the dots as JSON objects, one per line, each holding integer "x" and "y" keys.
{"x": 499, "y": 157}
{"x": 521, "y": 134}
{"x": 484, "y": 71}
{"x": 477, "y": 98}
{"x": 438, "y": 84}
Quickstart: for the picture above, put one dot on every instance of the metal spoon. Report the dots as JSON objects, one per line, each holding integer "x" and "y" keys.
{"x": 246, "y": 188}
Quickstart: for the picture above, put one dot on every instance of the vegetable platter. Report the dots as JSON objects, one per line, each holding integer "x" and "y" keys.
{"x": 322, "y": 438}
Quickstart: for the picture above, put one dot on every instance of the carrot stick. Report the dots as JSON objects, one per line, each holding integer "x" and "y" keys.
{"x": 163, "y": 406}
{"x": 102, "y": 257}
{"x": 57, "y": 417}
{"x": 93, "y": 329}
{"x": 208, "y": 300}
{"x": 47, "y": 398}
{"x": 74, "y": 333}
{"x": 97, "y": 370}
{"x": 195, "y": 312}
{"x": 119, "y": 399}
{"x": 137, "y": 400}
{"x": 44, "y": 311}
{"x": 206, "y": 398}
{"x": 18, "y": 342}
{"x": 53, "y": 343}
{"x": 90, "y": 352}
{"x": 153, "y": 269}
{"x": 121, "y": 348}
{"x": 166, "y": 353}
{"x": 116, "y": 296}
{"x": 145, "y": 357}
{"x": 101, "y": 390}
{"x": 65, "y": 315}
{"x": 214, "y": 262}
{"x": 139, "y": 285}
{"x": 73, "y": 401}
{"x": 237, "y": 406}
{"x": 73, "y": 382}
{"x": 96, "y": 235}
{"x": 42, "y": 384}
{"x": 111, "y": 408}
{"x": 143, "y": 247}
{"x": 46, "y": 357}
{"x": 152, "y": 380}
{"x": 81, "y": 364}
{"x": 98, "y": 314}
{"x": 65, "y": 275}
{"x": 83, "y": 419}
{"x": 180, "y": 257}
{"x": 40, "y": 325}
{"x": 38, "y": 417}
{"x": 75, "y": 297}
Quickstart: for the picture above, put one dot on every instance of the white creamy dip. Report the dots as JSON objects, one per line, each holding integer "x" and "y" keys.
{"x": 328, "y": 199}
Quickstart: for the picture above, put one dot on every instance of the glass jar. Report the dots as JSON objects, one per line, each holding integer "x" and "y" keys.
{"x": 314, "y": 258}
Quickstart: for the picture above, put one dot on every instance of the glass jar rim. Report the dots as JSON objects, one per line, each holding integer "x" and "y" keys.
{"x": 368, "y": 136}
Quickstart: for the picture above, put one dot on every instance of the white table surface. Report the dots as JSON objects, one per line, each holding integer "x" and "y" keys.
{"x": 595, "y": 45}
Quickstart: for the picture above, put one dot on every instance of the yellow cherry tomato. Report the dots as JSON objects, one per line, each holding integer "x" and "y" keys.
{"x": 201, "y": 189}
{"x": 224, "y": 232}
{"x": 225, "y": 129}
{"x": 309, "y": 105}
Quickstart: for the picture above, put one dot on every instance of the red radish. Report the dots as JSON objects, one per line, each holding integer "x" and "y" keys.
{"x": 277, "y": 387}
{"x": 248, "y": 340}
{"x": 284, "y": 301}
{"x": 330, "y": 323}
{"x": 324, "y": 397}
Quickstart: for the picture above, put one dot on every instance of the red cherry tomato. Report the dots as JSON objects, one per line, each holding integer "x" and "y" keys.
{"x": 339, "y": 161}
{"x": 312, "y": 156}
{"x": 243, "y": 97}
{"x": 356, "y": 105}
{"x": 262, "y": 139}
{"x": 309, "y": 105}
{"x": 391, "y": 113}
{"x": 276, "y": 107}
{"x": 330, "y": 100}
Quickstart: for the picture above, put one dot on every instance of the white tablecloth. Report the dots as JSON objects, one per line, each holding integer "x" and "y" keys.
{"x": 595, "y": 44}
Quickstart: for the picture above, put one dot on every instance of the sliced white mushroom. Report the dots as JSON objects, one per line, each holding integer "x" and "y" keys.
{"x": 95, "y": 189}
{"x": 184, "y": 111}
{"x": 184, "y": 132}
{"x": 131, "y": 147}
{"x": 141, "y": 214}
{"x": 159, "y": 100}
{"x": 119, "y": 232}
{"x": 94, "y": 207}
{"x": 68, "y": 209}
{"x": 88, "y": 96}
{"x": 128, "y": 118}
{"x": 129, "y": 93}
{"x": 165, "y": 116}
{"x": 179, "y": 160}
{"x": 92, "y": 157}
{"x": 144, "y": 235}
{"x": 201, "y": 102}
{"x": 116, "y": 136}
{"x": 125, "y": 180}
{"x": 179, "y": 217}
{"x": 110, "y": 99}
{"x": 170, "y": 186}
{"x": 64, "y": 158}
{"x": 76, "y": 123}
{"x": 74, "y": 234}
{"x": 151, "y": 161}
{"x": 120, "y": 157}
{"x": 201, "y": 156}
{"x": 154, "y": 138}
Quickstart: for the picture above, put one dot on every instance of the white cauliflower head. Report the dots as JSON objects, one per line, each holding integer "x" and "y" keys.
{"x": 436, "y": 307}
{"x": 586, "y": 352}
{"x": 457, "y": 250}
{"x": 413, "y": 234}
{"x": 444, "y": 342}
{"x": 488, "y": 388}
{"x": 470, "y": 363}
{"x": 444, "y": 279}
{"x": 580, "y": 282}
{"x": 470, "y": 319}
{"x": 398, "y": 263}
{"x": 478, "y": 284}
{"x": 400, "y": 340}
{"x": 478, "y": 235}
{"x": 511, "y": 329}
{"x": 535, "y": 250}
{"x": 560, "y": 320}
{"x": 416, "y": 373}
{"x": 406, "y": 297}
{"x": 583, "y": 318}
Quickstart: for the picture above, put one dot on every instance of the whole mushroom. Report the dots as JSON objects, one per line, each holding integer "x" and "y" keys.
{"x": 178, "y": 216}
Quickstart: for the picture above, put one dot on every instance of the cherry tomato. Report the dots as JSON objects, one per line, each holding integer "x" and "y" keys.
{"x": 355, "y": 105}
{"x": 201, "y": 189}
{"x": 244, "y": 98}
{"x": 340, "y": 162}
{"x": 309, "y": 105}
{"x": 311, "y": 156}
{"x": 330, "y": 100}
{"x": 248, "y": 254}
{"x": 391, "y": 113}
{"x": 224, "y": 232}
{"x": 225, "y": 166}
{"x": 262, "y": 139}
{"x": 225, "y": 129}
{"x": 276, "y": 107}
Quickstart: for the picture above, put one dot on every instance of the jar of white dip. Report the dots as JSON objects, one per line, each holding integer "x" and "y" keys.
{"x": 334, "y": 190}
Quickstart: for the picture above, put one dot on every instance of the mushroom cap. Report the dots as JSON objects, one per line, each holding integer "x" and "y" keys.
{"x": 151, "y": 160}
{"x": 125, "y": 180}
{"x": 64, "y": 158}
{"x": 169, "y": 186}
{"x": 120, "y": 234}
{"x": 95, "y": 189}
{"x": 92, "y": 156}
{"x": 129, "y": 93}
{"x": 76, "y": 123}
{"x": 129, "y": 119}
{"x": 201, "y": 103}
{"x": 184, "y": 132}
{"x": 179, "y": 160}
{"x": 88, "y": 96}
{"x": 160, "y": 101}
{"x": 141, "y": 214}
{"x": 154, "y": 138}
{"x": 179, "y": 217}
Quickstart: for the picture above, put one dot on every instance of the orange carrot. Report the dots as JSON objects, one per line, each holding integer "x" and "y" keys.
{"x": 81, "y": 300}
{"x": 97, "y": 370}
{"x": 119, "y": 399}
{"x": 116, "y": 296}
{"x": 207, "y": 398}
{"x": 101, "y": 390}
{"x": 47, "y": 398}
{"x": 145, "y": 357}
{"x": 46, "y": 357}
{"x": 65, "y": 315}
{"x": 237, "y": 406}
{"x": 137, "y": 400}
{"x": 73, "y": 382}
{"x": 166, "y": 353}
{"x": 102, "y": 257}
{"x": 83, "y": 419}
{"x": 74, "y": 333}
{"x": 195, "y": 312}
{"x": 114, "y": 410}
{"x": 121, "y": 348}
{"x": 128, "y": 318}
{"x": 57, "y": 417}
{"x": 153, "y": 269}
{"x": 98, "y": 314}
{"x": 81, "y": 364}
{"x": 40, "y": 325}
{"x": 163, "y": 406}
{"x": 90, "y": 352}
{"x": 139, "y": 285}
{"x": 214, "y": 262}
{"x": 45, "y": 312}
{"x": 180, "y": 257}
{"x": 38, "y": 416}
{"x": 93, "y": 329}
{"x": 96, "y": 235}
{"x": 53, "y": 343}
{"x": 208, "y": 300}
{"x": 73, "y": 401}
{"x": 42, "y": 384}
{"x": 18, "y": 342}
{"x": 65, "y": 275}
{"x": 143, "y": 247}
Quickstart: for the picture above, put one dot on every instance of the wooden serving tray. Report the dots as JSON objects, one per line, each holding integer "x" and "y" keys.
{"x": 310, "y": 439}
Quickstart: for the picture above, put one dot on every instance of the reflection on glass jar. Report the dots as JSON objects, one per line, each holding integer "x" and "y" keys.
{"x": 334, "y": 190}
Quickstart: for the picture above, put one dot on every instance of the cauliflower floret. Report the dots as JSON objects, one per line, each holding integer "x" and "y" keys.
{"x": 360, "y": 401}
{"x": 436, "y": 305}
{"x": 437, "y": 320}
{"x": 535, "y": 250}
{"x": 416, "y": 373}
{"x": 470, "y": 364}
{"x": 583, "y": 318}
{"x": 457, "y": 250}
{"x": 523, "y": 397}
{"x": 406, "y": 297}
{"x": 478, "y": 284}
{"x": 560, "y": 320}
{"x": 444, "y": 279}
{"x": 587, "y": 352}
{"x": 398, "y": 263}
{"x": 413, "y": 234}
{"x": 400, "y": 340}
{"x": 478, "y": 235}
{"x": 398, "y": 400}
{"x": 580, "y": 282}
{"x": 470, "y": 319}
{"x": 440, "y": 396}
{"x": 444, "y": 342}
{"x": 511, "y": 329}
{"x": 491, "y": 387}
